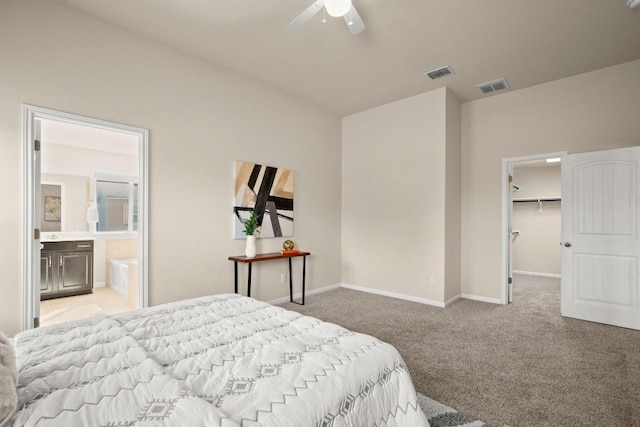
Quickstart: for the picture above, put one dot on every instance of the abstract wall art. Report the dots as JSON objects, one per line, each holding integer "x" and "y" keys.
{"x": 267, "y": 191}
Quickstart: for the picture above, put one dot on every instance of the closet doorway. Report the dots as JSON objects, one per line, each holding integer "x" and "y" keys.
{"x": 531, "y": 218}
{"x": 599, "y": 240}
{"x": 70, "y": 237}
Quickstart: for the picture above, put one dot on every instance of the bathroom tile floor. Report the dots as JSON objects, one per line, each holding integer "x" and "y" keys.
{"x": 102, "y": 300}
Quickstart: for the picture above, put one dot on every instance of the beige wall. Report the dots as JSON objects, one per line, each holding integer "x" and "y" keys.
{"x": 394, "y": 194}
{"x": 66, "y": 160}
{"x": 588, "y": 112}
{"x": 200, "y": 118}
{"x": 537, "y": 247}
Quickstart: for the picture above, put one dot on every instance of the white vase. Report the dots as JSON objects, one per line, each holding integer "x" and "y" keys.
{"x": 250, "y": 249}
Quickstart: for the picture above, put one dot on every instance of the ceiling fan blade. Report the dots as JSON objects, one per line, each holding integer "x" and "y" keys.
{"x": 357, "y": 24}
{"x": 306, "y": 16}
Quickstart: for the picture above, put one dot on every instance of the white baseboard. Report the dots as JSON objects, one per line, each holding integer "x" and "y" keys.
{"x": 481, "y": 299}
{"x": 394, "y": 295}
{"x": 420, "y": 300}
{"x": 99, "y": 284}
{"x": 534, "y": 273}
{"x": 298, "y": 296}
{"x": 450, "y": 301}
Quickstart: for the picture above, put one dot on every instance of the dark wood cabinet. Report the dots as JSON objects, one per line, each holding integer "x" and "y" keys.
{"x": 66, "y": 268}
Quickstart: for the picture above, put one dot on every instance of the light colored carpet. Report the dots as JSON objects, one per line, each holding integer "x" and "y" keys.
{"x": 516, "y": 365}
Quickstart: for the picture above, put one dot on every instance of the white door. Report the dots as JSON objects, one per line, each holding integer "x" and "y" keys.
{"x": 600, "y": 196}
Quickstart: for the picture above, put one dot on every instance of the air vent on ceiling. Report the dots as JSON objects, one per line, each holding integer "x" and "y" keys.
{"x": 439, "y": 72}
{"x": 493, "y": 86}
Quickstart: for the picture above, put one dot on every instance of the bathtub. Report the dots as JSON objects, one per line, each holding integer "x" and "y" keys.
{"x": 119, "y": 275}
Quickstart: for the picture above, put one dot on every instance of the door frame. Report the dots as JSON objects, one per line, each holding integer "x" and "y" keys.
{"x": 31, "y": 179}
{"x": 505, "y": 229}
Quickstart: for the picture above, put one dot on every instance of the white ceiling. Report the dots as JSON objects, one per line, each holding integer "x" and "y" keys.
{"x": 527, "y": 42}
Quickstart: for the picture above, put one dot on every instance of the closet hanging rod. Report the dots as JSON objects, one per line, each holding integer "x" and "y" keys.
{"x": 538, "y": 199}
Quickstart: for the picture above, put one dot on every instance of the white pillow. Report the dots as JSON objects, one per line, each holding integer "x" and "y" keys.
{"x": 8, "y": 380}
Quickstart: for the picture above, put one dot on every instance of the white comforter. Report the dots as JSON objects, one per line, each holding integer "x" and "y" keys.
{"x": 224, "y": 360}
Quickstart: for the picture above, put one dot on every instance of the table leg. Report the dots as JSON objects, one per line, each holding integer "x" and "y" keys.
{"x": 235, "y": 277}
{"x": 304, "y": 275}
{"x": 249, "y": 282}
{"x": 290, "y": 283}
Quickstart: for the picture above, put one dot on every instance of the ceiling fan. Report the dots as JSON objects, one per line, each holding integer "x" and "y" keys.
{"x": 335, "y": 8}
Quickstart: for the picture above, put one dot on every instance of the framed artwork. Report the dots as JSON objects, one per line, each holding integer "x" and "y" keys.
{"x": 52, "y": 208}
{"x": 267, "y": 191}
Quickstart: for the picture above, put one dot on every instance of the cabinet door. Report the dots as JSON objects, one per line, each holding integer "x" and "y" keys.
{"x": 46, "y": 272}
{"x": 75, "y": 271}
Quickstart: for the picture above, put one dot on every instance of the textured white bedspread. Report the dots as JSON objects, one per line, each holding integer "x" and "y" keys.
{"x": 223, "y": 360}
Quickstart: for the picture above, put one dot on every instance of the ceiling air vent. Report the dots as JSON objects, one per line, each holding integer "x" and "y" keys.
{"x": 493, "y": 86}
{"x": 439, "y": 72}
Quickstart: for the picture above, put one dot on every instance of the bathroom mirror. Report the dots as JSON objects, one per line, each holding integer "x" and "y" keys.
{"x": 51, "y": 215}
{"x": 63, "y": 202}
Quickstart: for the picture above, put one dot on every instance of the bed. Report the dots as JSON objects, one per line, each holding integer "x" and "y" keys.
{"x": 223, "y": 360}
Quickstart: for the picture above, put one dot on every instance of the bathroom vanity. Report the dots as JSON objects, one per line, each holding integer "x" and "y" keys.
{"x": 66, "y": 268}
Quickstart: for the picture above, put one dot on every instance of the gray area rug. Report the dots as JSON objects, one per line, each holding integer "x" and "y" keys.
{"x": 440, "y": 415}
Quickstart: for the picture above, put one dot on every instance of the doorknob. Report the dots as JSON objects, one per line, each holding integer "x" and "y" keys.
{"x": 567, "y": 244}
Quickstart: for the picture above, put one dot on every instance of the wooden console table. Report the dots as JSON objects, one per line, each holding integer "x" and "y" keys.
{"x": 270, "y": 257}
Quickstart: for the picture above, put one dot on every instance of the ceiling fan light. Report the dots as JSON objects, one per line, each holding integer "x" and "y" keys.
{"x": 337, "y": 8}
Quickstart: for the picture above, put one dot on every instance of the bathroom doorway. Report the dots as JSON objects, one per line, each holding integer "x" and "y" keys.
{"x": 83, "y": 257}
